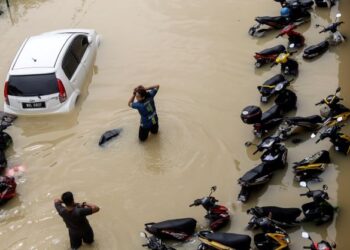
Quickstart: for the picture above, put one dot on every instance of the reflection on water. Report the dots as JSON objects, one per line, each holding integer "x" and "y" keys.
{"x": 201, "y": 55}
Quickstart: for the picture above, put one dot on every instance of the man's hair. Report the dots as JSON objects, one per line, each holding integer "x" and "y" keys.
{"x": 142, "y": 91}
{"x": 68, "y": 198}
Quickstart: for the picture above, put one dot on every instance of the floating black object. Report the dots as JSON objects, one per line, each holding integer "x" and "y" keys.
{"x": 108, "y": 135}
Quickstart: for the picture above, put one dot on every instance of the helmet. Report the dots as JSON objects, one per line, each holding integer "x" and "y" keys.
{"x": 324, "y": 111}
{"x": 285, "y": 11}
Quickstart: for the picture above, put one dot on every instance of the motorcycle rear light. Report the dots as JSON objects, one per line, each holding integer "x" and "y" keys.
{"x": 62, "y": 95}
{"x": 6, "y": 93}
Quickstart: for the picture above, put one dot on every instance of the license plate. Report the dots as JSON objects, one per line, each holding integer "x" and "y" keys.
{"x": 33, "y": 105}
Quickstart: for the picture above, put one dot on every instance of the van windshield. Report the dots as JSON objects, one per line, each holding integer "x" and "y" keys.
{"x": 32, "y": 85}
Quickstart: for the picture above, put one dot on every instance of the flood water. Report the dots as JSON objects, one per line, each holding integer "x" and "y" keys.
{"x": 201, "y": 55}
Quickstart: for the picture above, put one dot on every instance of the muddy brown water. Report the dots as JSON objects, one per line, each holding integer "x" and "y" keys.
{"x": 201, "y": 55}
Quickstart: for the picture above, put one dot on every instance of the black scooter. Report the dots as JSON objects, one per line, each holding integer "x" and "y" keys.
{"x": 305, "y": 4}
{"x": 325, "y": 3}
{"x": 282, "y": 217}
{"x": 319, "y": 210}
{"x": 223, "y": 241}
{"x": 322, "y": 245}
{"x": 176, "y": 229}
{"x": 299, "y": 15}
{"x": 311, "y": 167}
{"x": 340, "y": 140}
{"x": 154, "y": 243}
{"x": 334, "y": 39}
{"x": 273, "y": 86}
{"x": 273, "y": 158}
{"x": 264, "y": 122}
{"x": 333, "y": 109}
{"x": 272, "y": 238}
{"x": 294, "y": 125}
{"x": 217, "y": 215}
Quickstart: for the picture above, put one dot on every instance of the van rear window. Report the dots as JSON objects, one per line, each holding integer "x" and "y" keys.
{"x": 32, "y": 85}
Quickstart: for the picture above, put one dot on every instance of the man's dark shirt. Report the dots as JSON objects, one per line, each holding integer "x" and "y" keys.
{"x": 75, "y": 219}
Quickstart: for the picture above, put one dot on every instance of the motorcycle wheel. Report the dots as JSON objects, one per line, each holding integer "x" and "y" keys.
{"x": 202, "y": 246}
{"x": 251, "y": 31}
{"x": 258, "y": 64}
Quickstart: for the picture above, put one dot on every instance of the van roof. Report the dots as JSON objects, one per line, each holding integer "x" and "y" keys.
{"x": 41, "y": 51}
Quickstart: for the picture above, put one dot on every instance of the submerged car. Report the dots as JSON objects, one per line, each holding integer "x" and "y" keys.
{"x": 48, "y": 72}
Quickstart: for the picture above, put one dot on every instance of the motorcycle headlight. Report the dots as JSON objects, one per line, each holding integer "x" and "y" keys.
{"x": 287, "y": 239}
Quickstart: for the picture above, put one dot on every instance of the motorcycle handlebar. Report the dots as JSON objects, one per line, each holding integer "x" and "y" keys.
{"x": 318, "y": 140}
{"x": 303, "y": 194}
{"x": 145, "y": 245}
{"x": 256, "y": 151}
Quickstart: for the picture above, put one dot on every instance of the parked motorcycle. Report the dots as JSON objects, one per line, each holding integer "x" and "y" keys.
{"x": 273, "y": 86}
{"x": 223, "y": 241}
{"x": 294, "y": 37}
{"x": 297, "y": 15}
{"x": 264, "y": 122}
{"x": 322, "y": 245}
{"x": 272, "y": 238}
{"x": 340, "y": 140}
{"x": 154, "y": 243}
{"x": 325, "y": 3}
{"x": 289, "y": 66}
{"x": 282, "y": 217}
{"x": 273, "y": 158}
{"x": 7, "y": 188}
{"x": 176, "y": 229}
{"x": 311, "y": 167}
{"x": 217, "y": 215}
{"x": 319, "y": 210}
{"x": 332, "y": 109}
{"x": 268, "y": 55}
{"x": 306, "y": 4}
{"x": 335, "y": 38}
{"x": 292, "y": 125}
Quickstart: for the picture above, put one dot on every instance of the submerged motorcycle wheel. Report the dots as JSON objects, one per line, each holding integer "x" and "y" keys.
{"x": 202, "y": 246}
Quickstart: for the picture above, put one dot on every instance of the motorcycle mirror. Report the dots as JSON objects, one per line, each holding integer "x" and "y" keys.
{"x": 213, "y": 188}
{"x": 317, "y": 25}
{"x": 325, "y": 187}
{"x": 313, "y": 135}
{"x": 292, "y": 45}
{"x": 248, "y": 143}
{"x": 338, "y": 89}
{"x": 303, "y": 184}
{"x": 338, "y": 15}
{"x": 305, "y": 235}
{"x": 339, "y": 119}
{"x": 143, "y": 235}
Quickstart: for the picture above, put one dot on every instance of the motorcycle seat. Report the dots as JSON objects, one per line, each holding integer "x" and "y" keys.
{"x": 275, "y": 19}
{"x": 256, "y": 172}
{"x": 311, "y": 119}
{"x": 322, "y": 46}
{"x": 281, "y": 214}
{"x": 273, "y": 112}
{"x": 187, "y": 225}
{"x": 273, "y": 50}
{"x": 275, "y": 79}
{"x": 237, "y": 241}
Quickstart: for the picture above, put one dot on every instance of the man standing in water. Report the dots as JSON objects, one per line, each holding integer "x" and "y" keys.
{"x": 74, "y": 215}
{"x": 147, "y": 109}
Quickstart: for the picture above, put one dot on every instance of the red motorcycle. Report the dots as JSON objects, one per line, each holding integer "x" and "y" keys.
{"x": 268, "y": 55}
{"x": 217, "y": 215}
{"x": 7, "y": 188}
{"x": 293, "y": 37}
{"x": 322, "y": 245}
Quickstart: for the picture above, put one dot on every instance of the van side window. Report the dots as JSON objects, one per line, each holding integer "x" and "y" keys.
{"x": 74, "y": 55}
{"x": 69, "y": 64}
{"x": 79, "y": 46}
